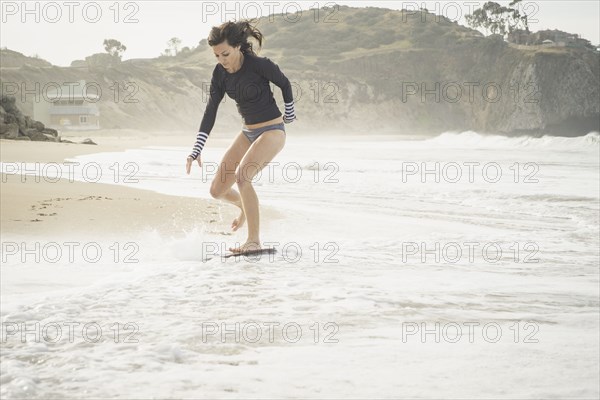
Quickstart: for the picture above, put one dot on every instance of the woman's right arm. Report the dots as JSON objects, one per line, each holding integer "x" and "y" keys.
{"x": 217, "y": 91}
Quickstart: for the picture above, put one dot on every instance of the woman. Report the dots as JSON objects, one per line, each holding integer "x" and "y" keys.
{"x": 245, "y": 78}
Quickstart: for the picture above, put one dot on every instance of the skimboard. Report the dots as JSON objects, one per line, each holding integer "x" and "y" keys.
{"x": 244, "y": 254}
{"x": 251, "y": 253}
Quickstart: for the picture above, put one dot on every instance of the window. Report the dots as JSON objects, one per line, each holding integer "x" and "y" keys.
{"x": 83, "y": 119}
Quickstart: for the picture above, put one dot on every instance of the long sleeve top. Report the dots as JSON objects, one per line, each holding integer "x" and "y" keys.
{"x": 250, "y": 88}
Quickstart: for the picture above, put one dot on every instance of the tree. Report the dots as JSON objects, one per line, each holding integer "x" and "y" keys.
{"x": 515, "y": 18}
{"x": 114, "y": 47}
{"x": 174, "y": 45}
{"x": 498, "y": 19}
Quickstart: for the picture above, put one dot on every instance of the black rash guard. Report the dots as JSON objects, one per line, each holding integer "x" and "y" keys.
{"x": 250, "y": 89}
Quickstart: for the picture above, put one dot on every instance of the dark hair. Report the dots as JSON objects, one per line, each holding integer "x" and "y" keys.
{"x": 236, "y": 34}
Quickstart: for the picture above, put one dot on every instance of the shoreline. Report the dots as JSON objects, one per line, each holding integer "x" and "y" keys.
{"x": 41, "y": 207}
{"x": 38, "y": 207}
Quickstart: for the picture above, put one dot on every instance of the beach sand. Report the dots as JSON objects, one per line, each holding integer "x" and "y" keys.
{"x": 41, "y": 207}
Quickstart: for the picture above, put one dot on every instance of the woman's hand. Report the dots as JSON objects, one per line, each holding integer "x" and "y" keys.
{"x": 190, "y": 160}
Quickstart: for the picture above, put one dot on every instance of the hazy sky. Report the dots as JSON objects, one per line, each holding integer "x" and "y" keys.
{"x": 63, "y": 31}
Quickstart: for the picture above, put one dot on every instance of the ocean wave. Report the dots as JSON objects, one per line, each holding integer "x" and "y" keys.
{"x": 471, "y": 139}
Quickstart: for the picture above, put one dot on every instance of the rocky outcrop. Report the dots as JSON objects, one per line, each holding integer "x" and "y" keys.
{"x": 100, "y": 61}
{"x": 15, "y": 125}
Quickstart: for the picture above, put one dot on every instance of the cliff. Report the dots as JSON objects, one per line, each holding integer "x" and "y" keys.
{"x": 359, "y": 70}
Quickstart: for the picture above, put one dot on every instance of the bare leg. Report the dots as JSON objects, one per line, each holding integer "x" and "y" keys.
{"x": 232, "y": 196}
{"x": 262, "y": 151}
{"x": 221, "y": 187}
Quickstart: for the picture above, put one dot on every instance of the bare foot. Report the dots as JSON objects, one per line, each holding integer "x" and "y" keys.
{"x": 248, "y": 246}
{"x": 238, "y": 222}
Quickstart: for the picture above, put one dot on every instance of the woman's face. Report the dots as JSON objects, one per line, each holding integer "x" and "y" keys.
{"x": 226, "y": 55}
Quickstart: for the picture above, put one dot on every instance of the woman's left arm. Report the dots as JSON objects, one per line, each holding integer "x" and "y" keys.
{"x": 271, "y": 71}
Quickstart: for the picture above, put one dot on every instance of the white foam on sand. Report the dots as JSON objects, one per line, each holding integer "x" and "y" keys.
{"x": 350, "y": 306}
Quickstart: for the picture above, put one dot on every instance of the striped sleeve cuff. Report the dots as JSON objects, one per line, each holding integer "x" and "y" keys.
{"x": 290, "y": 114}
{"x": 199, "y": 145}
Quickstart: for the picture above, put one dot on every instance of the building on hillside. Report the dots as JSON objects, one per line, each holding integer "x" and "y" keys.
{"x": 548, "y": 37}
{"x": 548, "y": 43}
{"x": 72, "y": 107}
